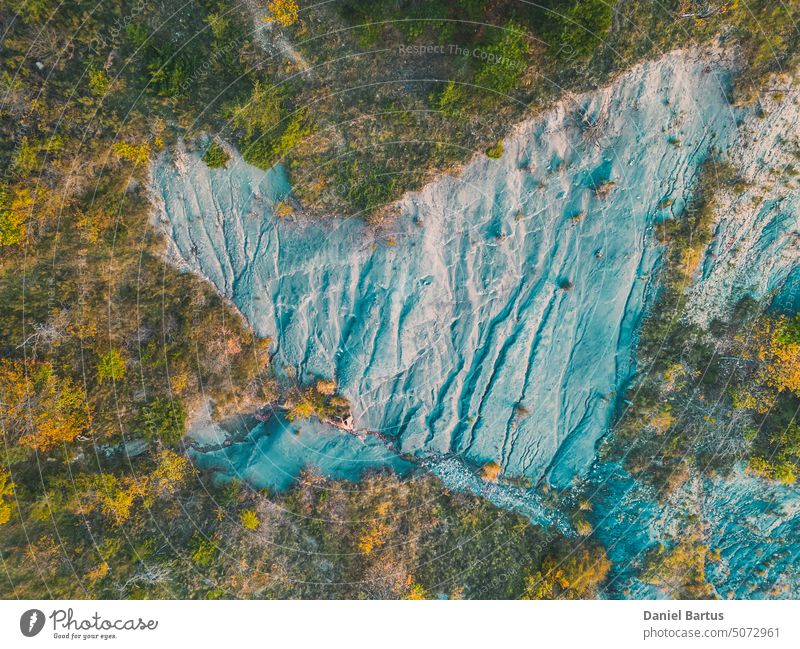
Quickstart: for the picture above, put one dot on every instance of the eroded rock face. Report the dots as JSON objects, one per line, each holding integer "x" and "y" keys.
{"x": 497, "y": 316}
{"x": 756, "y": 246}
{"x": 749, "y": 527}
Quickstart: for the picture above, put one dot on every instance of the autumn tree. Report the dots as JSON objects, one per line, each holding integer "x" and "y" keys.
{"x": 506, "y": 60}
{"x": 115, "y": 496}
{"x": 375, "y": 535}
{"x": 40, "y": 410}
{"x": 260, "y": 113}
{"x": 137, "y": 154}
{"x": 318, "y": 400}
{"x": 782, "y": 463}
{"x": 6, "y": 492}
{"x": 576, "y": 576}
{"x": 170, "y": 472}
{"x": 162, "y": 418}
{"x": 283, "y": 12}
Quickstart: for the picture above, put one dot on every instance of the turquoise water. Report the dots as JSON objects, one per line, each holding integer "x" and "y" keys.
{"x": 275, "y": 453}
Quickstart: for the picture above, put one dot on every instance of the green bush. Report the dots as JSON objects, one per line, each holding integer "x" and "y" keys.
{"x": 215, "y": 156}
{"x": 249, "y": 520}
{"x": 111, "y": 366}
{"x": 162, "y": 419}
{"x": 496, "y": 152}
{"x": 581, "y": 27}
{"x": 506, "y": 59}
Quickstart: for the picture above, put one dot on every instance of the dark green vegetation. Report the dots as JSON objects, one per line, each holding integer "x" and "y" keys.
{"x": 384, "y": 95}
{"x": 100, "y": 341}
{"x": 215, "y": 156}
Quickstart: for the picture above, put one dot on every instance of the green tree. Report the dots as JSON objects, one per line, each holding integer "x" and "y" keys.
{"x": 6, "y": 492}
{"x": 111, "y": 366}
{"x": 506, "y": 59}
{"x": 215, "y": 156}
{"x": 449, "y": 101}
{"x": 584, "y": 26}
{"x": 162, "y": 419}
{"x": 39, "y": 409}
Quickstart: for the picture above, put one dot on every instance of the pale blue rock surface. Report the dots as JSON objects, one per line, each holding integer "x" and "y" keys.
{"x": 496, "y": 318}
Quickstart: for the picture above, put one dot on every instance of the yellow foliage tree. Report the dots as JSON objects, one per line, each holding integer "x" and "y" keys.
{"x": 39, "y": 410}
{"x": 98, "y": 573}
{"x": 781, "y": 471}
{"x": 136, "y": 154}
{"x": 283, "y": 209}
{"x": 576, "y": 576}
{"x": 375, "y": 536}
{"x": 115, "y": 496}
{"x": 663, "y": 419}
{"x": 327, "y": 388}
{"x": 681, "y": 572}
{"x": 6, "y": 491}
{"x": 417, "y": 592}
{"x": 491, "y": 471}
{"x": 15, "y": 211}
{"x": 774, "y": 344}
{"x": 303, "y": 410}
{"x": 784, "y": 461}
{"x": 172, "y": 469}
